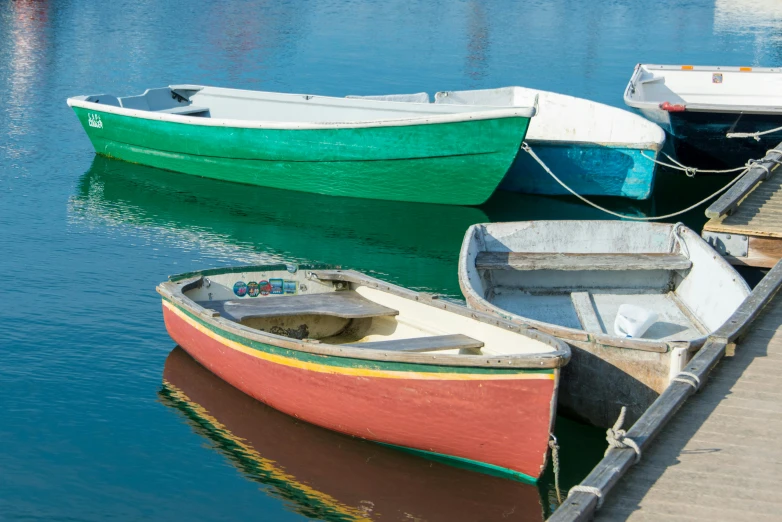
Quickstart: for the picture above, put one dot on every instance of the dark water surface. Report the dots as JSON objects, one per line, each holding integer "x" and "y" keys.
{"x": 88, "y": 431}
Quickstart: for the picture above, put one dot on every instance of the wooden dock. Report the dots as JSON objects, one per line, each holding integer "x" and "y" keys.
{"x": 746, "y": 222}
{"x": 718, "y": 457}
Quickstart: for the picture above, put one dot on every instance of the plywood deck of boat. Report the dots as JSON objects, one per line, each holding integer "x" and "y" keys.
{"x": 719, "y": 457}
{"x": 758, "y": 217}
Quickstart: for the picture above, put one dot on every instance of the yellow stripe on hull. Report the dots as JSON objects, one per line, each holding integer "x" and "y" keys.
{"x": 354, "y": 372}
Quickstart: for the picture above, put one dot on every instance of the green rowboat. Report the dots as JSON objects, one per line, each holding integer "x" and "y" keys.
{"x": 398, "y": 147}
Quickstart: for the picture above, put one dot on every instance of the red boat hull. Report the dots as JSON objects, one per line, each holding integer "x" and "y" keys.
{"x": 501, "y": 418}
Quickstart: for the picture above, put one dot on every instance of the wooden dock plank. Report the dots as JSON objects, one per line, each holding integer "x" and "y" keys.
{"x": 719, "y": 458}
{"x": 757, "y": 174}
{"x": 752, "y": 208}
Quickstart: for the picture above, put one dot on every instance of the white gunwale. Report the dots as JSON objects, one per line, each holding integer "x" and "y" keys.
{"x": 424, "y": 119}
{"x": 650, "y": 103}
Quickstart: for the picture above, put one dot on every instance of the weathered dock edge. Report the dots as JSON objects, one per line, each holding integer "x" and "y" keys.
{"x": 759, "y": 172}
{"x": 581, "y": 506}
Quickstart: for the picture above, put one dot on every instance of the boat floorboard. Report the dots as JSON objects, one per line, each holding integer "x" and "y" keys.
{"x": 719, "y": 457}
{"x": 672, "y": 323}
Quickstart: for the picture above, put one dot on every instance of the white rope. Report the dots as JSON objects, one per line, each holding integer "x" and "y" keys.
{"x": 554, "y": 445}
{"x": 688, "y": 378}
{"x": 617, "y": 437}
{"x": 677, "y": 233}
{"x": 692, "y": 171}
{"x": 526, "y": 148}
{"x": 755, "y": 135}
{"x": 588, "y": 489}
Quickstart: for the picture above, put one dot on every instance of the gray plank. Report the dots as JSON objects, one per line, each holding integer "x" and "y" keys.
{"x": 585, "y": 311}
{"x": 346, "y": 304}
{"x": 423, "y": 344}
{"x": 731, "y": 198}
{"x": 568, "y": 261}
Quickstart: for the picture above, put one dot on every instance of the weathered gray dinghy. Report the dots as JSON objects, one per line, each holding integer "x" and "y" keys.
{"x": 570, "y": 279}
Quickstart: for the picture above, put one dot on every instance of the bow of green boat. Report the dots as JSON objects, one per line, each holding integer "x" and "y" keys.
{"x": 398, "y": 147}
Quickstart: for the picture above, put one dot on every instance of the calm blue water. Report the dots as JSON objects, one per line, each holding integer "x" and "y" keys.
{"x": 87, "y": 430}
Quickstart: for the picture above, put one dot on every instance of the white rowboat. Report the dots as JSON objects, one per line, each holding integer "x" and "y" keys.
{"x": 569, "y": 279}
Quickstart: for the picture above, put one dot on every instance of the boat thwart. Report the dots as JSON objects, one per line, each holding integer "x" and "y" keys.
{"x": 359, "y": 356}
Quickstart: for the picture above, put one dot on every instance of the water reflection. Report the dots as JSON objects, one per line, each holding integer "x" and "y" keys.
{"x": 759, "y": 19}
{"x": 478, "y": 42}
{"x": 409, "y": 243}
{"x": 257, "y": 36}
{"x": 325, "y": 475}
{"x": 26, "y": 44}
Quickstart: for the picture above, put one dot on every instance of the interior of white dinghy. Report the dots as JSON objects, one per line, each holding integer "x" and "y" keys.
{"x": 316, "y": 307}
{"x": 692, "y": 86}
{"x": 577, "y": 274}
{"x": 237, "y": 104}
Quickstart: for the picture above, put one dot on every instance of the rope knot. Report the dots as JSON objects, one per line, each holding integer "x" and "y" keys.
{"x": 688, "y": 378}
{"x": 590, "y": 490}
{"x": 617, "y": 437}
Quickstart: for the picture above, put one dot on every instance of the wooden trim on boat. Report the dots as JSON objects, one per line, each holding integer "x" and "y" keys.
{"x": 173, "y": 291}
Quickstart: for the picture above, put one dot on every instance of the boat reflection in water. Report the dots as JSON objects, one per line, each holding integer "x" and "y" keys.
{"x": 412, "y": 244}
{"x": 329, "y": 476}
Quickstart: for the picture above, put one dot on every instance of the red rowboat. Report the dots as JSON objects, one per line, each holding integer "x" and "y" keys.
{"x": 359, "y": 356}
{"x": 328, "y": 476}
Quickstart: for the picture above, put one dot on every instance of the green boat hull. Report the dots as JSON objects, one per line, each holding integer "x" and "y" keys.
{"x": 459, "y": 163}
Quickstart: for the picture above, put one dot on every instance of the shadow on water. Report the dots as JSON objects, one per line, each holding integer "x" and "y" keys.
{"x": 329, "y": 476}
{"x": 412, "y": 244}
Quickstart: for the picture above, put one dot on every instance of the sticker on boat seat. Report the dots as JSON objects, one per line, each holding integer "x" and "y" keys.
{"x": 240, "y": 288}
{"x": 265, "y": 287}
{"x": 276, "y": 285}
{"x": 289, "y": 287}
{"x": 716, "y": 78}
{"x": 253, "y": 289}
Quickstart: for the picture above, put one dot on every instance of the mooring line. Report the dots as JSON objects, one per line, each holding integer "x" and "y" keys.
{"x": 554, "y": 445}
{"x": 755, "y": 135}
{"x": 526, "y": 148}
{"x": 692, "y": 171}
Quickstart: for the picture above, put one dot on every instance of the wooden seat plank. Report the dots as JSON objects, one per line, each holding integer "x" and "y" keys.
{"x": 423, "y": 344}
{"x": 585, "y": 310}
{"x": 346, "y": 304}
{"x": 577, "y": 262}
